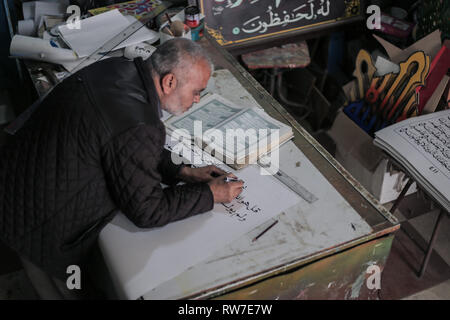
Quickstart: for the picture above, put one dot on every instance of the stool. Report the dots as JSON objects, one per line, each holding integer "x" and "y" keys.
{"x": 289, "y": 56}
{"x": 442, "y": 213}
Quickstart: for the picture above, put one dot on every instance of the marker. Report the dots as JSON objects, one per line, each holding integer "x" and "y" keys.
{"x": 168, "y": 19}
{"x": 228, "y": 179}
{"x": 265, "y": 230}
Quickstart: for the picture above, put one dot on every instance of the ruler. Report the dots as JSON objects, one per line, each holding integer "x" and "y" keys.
{"x": 285, "y": 179}
{"x": 97, "y": 55}
{"x": 121, "y": 37}
{"x": 280, "y": 175}
{"x": 295, "y": 186}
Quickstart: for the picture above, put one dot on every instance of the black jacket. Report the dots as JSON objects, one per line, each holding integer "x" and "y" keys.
{"x": 95, "y": 145}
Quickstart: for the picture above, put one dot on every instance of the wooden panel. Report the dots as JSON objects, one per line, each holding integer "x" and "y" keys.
{"x": 340, "y": 276}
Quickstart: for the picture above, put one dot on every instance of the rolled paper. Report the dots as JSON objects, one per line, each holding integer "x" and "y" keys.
{"x": 40, "y": 49}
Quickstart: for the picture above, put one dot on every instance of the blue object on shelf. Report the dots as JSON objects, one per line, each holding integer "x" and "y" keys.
{"x": 364, "y": 117}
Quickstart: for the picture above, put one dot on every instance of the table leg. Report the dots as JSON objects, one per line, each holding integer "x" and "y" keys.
{"x": 401, "y": 196}
{"x": 431, "y": 244}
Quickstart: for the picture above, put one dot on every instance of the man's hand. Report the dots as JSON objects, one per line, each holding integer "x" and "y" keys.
{"x": 203, "y": 174}
{"x": 225, "y": 191}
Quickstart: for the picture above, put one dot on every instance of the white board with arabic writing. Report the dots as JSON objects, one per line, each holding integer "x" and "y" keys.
{"x": 236, "y": 21}
{"x": 149, "y": 257}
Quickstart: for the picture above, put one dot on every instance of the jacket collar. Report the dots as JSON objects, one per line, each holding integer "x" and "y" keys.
{"x": 145, "y": 71}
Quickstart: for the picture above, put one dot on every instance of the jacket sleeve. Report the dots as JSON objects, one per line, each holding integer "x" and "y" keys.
{"x": 169, "y": 170}
{"x": 130, "y": 162}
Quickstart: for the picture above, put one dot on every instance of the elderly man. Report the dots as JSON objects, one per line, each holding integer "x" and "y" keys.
{"x": 95, "y": 145}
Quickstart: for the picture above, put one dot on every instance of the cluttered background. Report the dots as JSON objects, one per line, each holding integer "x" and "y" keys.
{"x": 342, "y": 69}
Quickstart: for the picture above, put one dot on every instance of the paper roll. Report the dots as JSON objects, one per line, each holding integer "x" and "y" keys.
{"x": 39, "y": 49}
{"x": 43, "y": 50}
{"x": 26, "y": 27}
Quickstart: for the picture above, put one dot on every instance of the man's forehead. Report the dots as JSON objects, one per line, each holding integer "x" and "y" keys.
{"x": 195, "y": 73}
{"x": 203, "y": 65}
{"x": 201, "y": 70}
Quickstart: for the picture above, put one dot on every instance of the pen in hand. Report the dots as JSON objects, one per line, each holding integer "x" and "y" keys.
{"x": 230, "y": 179}
{"x": 226, "y": 179}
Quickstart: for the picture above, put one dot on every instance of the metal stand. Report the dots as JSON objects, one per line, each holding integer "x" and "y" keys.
{"x": 401, "y": 196}
{"x": 435, "y": 230}
{"x": 431, "y": 244}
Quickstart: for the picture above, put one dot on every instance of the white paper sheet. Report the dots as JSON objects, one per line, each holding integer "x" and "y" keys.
{"x": 303, "y": 231}
{"x": 98, "y": 30}
{"x": 28, "y": 10}
{"x": 385, "y": 66}
{"x": 152, "y": 256}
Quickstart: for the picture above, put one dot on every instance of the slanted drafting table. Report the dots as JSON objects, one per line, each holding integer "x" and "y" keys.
{"x": 317, "y": 251}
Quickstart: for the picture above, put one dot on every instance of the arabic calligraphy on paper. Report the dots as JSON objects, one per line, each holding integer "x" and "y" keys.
{"x": 432, "y": 139}
{"x": 240, "y": 208}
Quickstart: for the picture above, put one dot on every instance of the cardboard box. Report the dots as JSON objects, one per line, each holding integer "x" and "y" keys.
{"x": 354, "y": 147}
{"x": 366, "y": 163}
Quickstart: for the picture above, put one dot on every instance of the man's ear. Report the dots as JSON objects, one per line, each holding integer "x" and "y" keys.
{"x": 169, "y": 83}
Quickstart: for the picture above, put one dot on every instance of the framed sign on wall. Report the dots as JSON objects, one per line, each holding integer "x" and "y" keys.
{"x": 240, "y": 22}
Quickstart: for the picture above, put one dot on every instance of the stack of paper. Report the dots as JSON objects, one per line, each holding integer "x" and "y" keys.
{"x": 422, "y": 146}
{"x": 35, "y": 11}
{"x": 98, "y": 30}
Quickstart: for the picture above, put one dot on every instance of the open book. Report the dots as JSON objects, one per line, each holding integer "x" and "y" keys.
{"x": 236, "y": 136}
{"x": 422, "y": 145}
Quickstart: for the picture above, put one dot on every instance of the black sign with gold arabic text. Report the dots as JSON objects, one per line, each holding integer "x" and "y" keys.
{"x": 237, "y": 21}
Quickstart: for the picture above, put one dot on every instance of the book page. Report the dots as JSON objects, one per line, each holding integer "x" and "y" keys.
{"x": 247, "y": 120}
{"x": 422, "y": 144}
{"x": 211, "y": 112}
{"x": 239, "y": 132}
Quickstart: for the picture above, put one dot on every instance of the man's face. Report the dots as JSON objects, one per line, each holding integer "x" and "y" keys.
{"x": 188, "y": 88}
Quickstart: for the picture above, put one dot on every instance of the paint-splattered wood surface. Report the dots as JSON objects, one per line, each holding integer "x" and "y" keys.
{"x": 304, "y": 231}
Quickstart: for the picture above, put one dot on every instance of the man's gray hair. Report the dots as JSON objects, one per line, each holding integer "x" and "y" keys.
{"x": 177, "y": 54}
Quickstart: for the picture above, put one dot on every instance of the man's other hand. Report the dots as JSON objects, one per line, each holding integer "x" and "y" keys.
{"x": 203, "y": 174}
{"x": 225, "y": 191}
